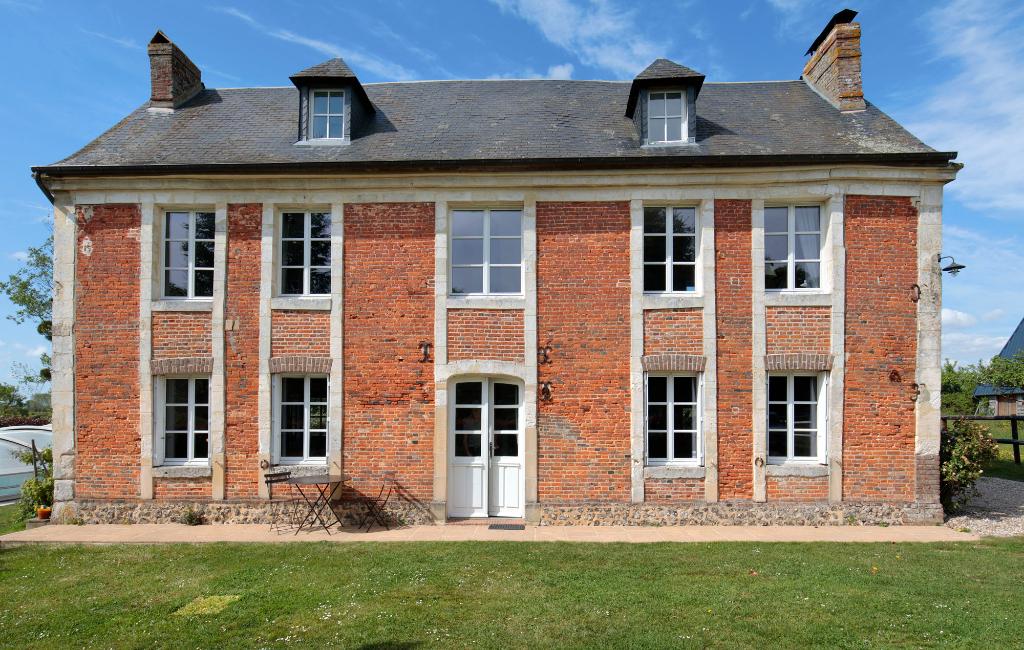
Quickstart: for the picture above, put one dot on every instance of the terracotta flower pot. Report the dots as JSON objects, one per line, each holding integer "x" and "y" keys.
{"x": 43, "y": 513}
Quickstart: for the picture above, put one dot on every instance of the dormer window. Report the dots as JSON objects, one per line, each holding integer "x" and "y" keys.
{"x": 327, "y": 114}
{"x": 666, "y": 117}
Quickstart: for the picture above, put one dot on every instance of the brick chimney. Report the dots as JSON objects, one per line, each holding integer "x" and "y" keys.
{"x": 174, "y": 79}
{"x": 834, "y": 67}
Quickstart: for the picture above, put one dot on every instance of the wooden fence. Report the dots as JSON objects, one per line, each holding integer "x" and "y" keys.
{"x": 1014, "y": 438}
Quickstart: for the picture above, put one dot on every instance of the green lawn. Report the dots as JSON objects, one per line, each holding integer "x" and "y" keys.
{"x": 1004, "y": 467}
{"x": 514, "y": 595}
{"x": 10, "y": 520}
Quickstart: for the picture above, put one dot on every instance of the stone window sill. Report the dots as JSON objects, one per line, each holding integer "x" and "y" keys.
{"x": 672, "y": 301}
{"x": 182, "y": 471}
{"x": 486, "y": 302}
{"x": 299, "y": 469}
{"x": 301, "y": 303}
{"x": 182, "y": 305}
{"x": 797, "y": 469}
{"x": 797, "y": 299}
{"x": 673, "y": 471}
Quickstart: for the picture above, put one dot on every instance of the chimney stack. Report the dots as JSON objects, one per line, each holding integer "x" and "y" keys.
{"x": 834, "y": 67}
{"x": 174, "y": 79}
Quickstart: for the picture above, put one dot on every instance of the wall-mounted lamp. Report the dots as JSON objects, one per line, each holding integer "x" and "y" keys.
{"x": 425, "y": 349}
{"x": 953, "y": 268}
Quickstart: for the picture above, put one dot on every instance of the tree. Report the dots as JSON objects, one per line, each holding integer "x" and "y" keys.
{"x": 958, "y": 384}
{"x": 30, "y": 288}
{"x": 1003, "y": 372}
{"x": 11, "y": 401}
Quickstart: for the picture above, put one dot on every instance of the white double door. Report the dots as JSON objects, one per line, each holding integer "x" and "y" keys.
{"x": 485, "y": 449}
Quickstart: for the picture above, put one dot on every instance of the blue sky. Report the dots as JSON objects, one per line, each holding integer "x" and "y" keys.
{"x": 951, "y": 72}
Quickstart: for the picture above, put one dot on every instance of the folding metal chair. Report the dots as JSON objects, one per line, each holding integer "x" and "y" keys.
{"x": 375, "y": 506}
{"x": 283, "y": 511}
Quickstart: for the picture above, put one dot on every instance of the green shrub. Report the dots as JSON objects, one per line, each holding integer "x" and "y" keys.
{"x": 37, "y": 491}
{"x": 192, "y": 517}
{"x": 966, "y": 448}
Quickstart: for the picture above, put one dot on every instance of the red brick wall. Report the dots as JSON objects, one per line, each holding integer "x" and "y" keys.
{"x": 495, "y": 334}
{"x": 181, "y": 488}
{"x": 674, "y": 331}
{"x": 302, "y": 333}
{"x": 241, "y": 351}
{"x": 673, "y": 489}
{"x": 797, "y": 488}
{"x": 583, "y": 308}
{"x": 181, "y": 334}
{"x": 881, "y": 336}
{"x": 389, "y": 311}
{"x": 798, "y": 329}
{"x": 107, "y": 352}
{"x": 733, "y": 320}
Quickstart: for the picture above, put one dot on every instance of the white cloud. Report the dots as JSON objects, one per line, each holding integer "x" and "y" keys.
{"x": 979, "y": 112}
{"x": 957, "y": 319}
{"x": 359, "y": 59}
{"x": 123, "y": 42}
{"x": 968, "y": 348}
{"x": 560, "y": 71}
{"x": 19, "y": 256}
{"x": 994, "y": 314}
{"x": 598, "y": 33}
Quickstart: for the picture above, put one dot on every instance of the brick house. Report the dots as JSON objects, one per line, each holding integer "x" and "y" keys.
{"x": 650, "y": 301}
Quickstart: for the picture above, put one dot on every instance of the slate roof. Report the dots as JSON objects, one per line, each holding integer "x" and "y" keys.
{"x": 666, "y": 69}
{"x": 497, "y": 123}
{"x": 336, "y": 68}
{"x": 1015, "y": 345}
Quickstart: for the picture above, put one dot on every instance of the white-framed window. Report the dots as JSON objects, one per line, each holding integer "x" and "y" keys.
{"x": 305, "y": 254}
{"x": 673, "y": 433}
{"x": 666, "y": 116}
{"x": 183, "y": 420}
{"x": 326, "y": 114}
{"x": 792, "y": 247}
{"x": 796, "y": 417}
{"x": 670, "y": 249}
{"x": 300, "y": 420}
{"x": 486, "y": 252}
{"x": 187, "y": 254}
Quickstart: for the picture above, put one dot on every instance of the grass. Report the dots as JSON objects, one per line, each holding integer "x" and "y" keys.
{"x": 513, "y": 595}
{"x": 10, "y": 519}
{"x": 1004, "y": 467}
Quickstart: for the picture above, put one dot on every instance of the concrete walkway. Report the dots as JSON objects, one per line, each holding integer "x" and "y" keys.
{"x": 179, "y": 533}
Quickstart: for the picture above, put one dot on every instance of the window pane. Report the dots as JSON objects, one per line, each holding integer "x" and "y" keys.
{"x": 777, "y": 416}
{"x": 777, "y": 443}
{"x": 469, "y": 393}
{"x": 657, "y": 130}
{"x": 506, "y": 419}
{"x": 505, "y": 251}
{"x": 335, "y": 103}
{"x": 203, "y": 284}
{"x": 506, "y": 280}
{"x": 657, "y": 445}
{"x": 176, "y": 446}
{"x": 776, "y": 276}
{"x": 684, "y": 418}
{"x": 467, "y": 419}
{"x": 506, "y": 444}
{"x": 320, "y": 102}
{"x": 177, "y": 225}
{"x": 654, "y": 277}
{"x": 506, "y": 222}
{"x": 654, "y": 248}
{"x": 657, "y": 418}
{"x": 467, "y": 251}
{"x": 656, "y": 391}
{"x": 505, "y": 393}
{"x": 318, "y": 389}
{"x": 291, "y": 444}
{"x": 204, "y": 254}
{"x": 177, "y": 391}
{"x": 776, "y": 247}
{"x": 293, "y": 253}
{"x": 176, "y": 418}
{"x": 204, "y": 225}
{"x": 292, "y": 416}
{"x": 675, "y": 129}
{"x": 201, "y": 446}
{"x": 202, "y": 391}
{"x": 804, "y": 445}
{"x": 317, "y": 444}
{"x": 335, "y": 128}
{"x": 291, "y": 281}
{"x": 808, "y": 219}
{"x": 466, "y": 223}
{"x": 684, "y": 248}
{"x": 683, "y": 278}
{"x": 468, "y": 280}
{"x": 319, "y": 281}
{"x": 808, "y": 275}
{"x": 803, "y": 416}
{"x": 807, "y": 247}
{"x": 467, "y": 445}
{"x": 684, "y": 220}
{"x": 320, "y": 225}
{"x": 685, "y": 389}
{"x": 684, "y": 445}
{"x": 293, "y": 225}
{"x": 176, "y": 254}
{"x": 654, "y": 220}
{"x": 201, "y": 420}
{"x": 319, "y": 126}
{"x": 656, "y": 105}
{"x": 320, "y": 253}
{"x": 805, "y": 389}
{"x": 317, "y": 416}
{"x": 293, "y": 389}
{"x": 776, "y": 389}
{"x": 776, "y": 220}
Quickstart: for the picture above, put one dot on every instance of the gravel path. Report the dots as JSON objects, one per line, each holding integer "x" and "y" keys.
{"x": 997, "y": 509}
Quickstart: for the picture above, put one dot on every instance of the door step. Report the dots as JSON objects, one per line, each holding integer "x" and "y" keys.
{"x": 485, "y": 521}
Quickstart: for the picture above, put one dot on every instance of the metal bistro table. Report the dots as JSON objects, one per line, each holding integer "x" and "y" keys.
{"x": 318, "y": 490}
